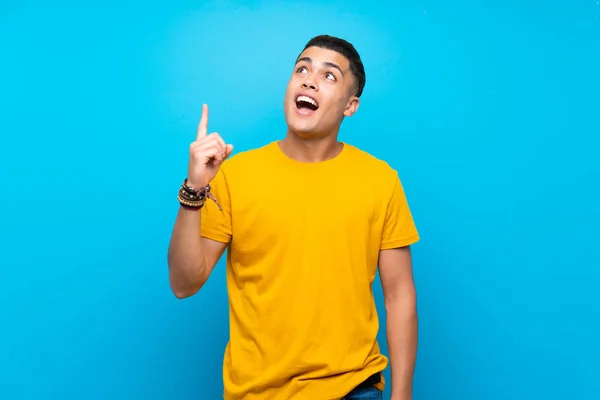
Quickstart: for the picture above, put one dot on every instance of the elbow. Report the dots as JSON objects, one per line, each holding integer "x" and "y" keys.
{"x": 182, "y": 295}
{"x": 184, "y": 286}
{"x": 405, "y": 299}
{"x": 402, "y": 310}
{"x": 183, "y": 292}
{"x": 183, "y": 283}
{"x": 407, "y": 308}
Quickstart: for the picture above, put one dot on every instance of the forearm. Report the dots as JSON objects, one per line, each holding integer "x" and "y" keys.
{"x": 186, "y": 259}
{"x": 402, "y": 334}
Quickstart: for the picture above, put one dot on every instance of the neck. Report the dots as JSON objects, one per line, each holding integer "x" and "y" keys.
{"x": 310, "y": 150}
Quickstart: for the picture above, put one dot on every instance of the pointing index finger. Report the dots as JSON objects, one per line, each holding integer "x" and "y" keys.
{"x": 203, "y": 125}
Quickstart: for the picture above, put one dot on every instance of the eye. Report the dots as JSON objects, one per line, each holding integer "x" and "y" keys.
{"x": 301, "y": 69}
{"x": 329, "y": 75}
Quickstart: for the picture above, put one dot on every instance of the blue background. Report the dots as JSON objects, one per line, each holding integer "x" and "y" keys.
{"x": 489, "y": 111}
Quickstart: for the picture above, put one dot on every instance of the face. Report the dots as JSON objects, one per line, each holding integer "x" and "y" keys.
{"x": 320, "y": 93}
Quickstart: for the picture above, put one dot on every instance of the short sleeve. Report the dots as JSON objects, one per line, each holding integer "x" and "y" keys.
{"x": 215, "y": 223}
{"x": 399, "y": 229}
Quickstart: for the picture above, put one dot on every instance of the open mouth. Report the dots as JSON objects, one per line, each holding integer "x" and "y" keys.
{"x": 305, "y": 103}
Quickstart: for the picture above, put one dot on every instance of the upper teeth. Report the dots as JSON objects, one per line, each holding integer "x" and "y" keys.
{"x": 307, "y": 99}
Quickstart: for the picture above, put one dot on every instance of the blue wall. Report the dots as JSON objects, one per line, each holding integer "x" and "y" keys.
{"x": 489, "y": 110}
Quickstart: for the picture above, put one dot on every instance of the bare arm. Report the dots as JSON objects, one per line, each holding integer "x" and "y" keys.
{"x": 191, "y": 257}
{"x": 395, "y": 270}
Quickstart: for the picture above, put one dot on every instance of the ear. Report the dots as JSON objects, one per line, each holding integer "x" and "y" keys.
{"x": 352, "y": 106}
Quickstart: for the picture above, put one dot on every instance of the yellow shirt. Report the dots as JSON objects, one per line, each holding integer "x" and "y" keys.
{"x": 304, "y": 244}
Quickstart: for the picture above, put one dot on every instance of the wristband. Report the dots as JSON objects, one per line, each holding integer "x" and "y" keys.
{"x": 194, "y": 199}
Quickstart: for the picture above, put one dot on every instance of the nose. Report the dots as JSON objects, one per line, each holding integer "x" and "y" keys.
{"x": 309, "y": 82}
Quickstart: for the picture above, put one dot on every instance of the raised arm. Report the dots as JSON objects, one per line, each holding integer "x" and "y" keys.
{"x": 191, "y": 258}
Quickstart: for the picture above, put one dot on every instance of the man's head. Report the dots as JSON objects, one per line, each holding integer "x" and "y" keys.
{"x": 325, "y": 86}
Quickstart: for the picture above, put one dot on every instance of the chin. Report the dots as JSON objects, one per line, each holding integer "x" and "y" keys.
{"x": 302, "y": 130}
{"x": 300, "y": 124}
{"x": 303, "y": 125}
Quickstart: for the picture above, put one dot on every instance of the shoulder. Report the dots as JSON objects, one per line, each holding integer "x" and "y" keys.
{"x": 373, "y": 166}
{"x": 378, "y": 177}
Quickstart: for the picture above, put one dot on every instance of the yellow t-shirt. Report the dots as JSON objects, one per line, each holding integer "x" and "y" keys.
{"x": 304, "y": 244}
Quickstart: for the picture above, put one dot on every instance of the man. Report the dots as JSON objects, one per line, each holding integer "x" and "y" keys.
{"x": 307, "y": 221}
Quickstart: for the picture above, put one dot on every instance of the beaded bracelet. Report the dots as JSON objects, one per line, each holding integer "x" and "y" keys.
{"x": 193, "y": 198}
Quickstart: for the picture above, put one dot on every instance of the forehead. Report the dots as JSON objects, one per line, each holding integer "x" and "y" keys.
{"x": 319, "y": 56}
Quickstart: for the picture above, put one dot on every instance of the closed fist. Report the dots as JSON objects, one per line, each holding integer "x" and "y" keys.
{"x": 207, "y": 153}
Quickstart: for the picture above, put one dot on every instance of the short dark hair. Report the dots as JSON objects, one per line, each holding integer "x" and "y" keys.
{"x": 346, "y": 49}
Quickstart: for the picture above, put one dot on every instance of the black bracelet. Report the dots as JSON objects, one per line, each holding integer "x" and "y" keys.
{"x": 196, "y": 197}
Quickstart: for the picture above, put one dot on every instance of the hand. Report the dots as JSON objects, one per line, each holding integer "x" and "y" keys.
{"x": 207, "y": 154}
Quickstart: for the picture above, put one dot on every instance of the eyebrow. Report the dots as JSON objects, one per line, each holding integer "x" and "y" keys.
{"x": 327, "y": 63}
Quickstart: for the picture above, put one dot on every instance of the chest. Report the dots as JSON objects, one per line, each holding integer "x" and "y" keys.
{"x": 304, "y": 209}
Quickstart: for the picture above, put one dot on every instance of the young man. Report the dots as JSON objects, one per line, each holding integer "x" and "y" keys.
{"x": 307, "y": 221}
